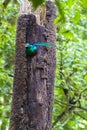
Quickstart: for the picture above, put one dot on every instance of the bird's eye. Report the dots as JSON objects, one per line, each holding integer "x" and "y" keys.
{"x": 26, "y": 46}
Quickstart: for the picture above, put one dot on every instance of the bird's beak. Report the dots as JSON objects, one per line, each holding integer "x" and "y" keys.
{"x": 25, "y": 46}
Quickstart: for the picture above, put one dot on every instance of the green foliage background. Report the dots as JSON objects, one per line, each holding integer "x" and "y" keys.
{"x": 70, "y": 94}
{"x": 8, "y": 17}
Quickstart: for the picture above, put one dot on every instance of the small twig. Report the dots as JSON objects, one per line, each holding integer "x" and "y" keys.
{"x": 81, "y": 108}
{"x": 80, "y": 115}
{"x": 59, "y": 117}
{"x": 81, "y": 94}
{"x": 83, "y": 91}
{"x": 62, "y": 103}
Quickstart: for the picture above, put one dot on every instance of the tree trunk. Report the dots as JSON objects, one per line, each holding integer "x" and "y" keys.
{"x": 34, "y": 79}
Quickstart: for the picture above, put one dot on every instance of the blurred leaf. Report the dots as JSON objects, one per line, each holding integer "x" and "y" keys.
{"x": 36, "y": 3}
{"x": 83, "y": 3}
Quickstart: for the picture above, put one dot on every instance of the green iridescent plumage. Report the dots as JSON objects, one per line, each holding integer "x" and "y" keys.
{"x": 31, "y": 49}
{"x": 44, "y": 44}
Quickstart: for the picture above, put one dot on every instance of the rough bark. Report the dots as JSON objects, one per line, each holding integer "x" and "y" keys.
{"x": 34, "y": 79}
